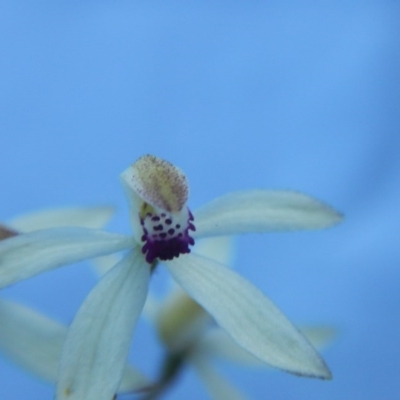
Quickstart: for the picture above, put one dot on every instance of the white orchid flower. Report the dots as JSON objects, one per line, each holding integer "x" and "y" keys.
{"x": 98, "y": 341}
{"x": 189, "y": 334}
{"x": 30, "y": 339}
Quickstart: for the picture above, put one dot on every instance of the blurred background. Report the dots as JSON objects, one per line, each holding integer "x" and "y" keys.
{"x": 240, "y": 95}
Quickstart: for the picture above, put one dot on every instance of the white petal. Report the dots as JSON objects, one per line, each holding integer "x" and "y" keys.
{"x": 34, "y": 342}
{"x": 262, "y": 211}
{"x": 85, "y": 217}
{"x": 217, "y": 343}
{"x": 247, "y": 315}
{"x": 219, "y": 249}
{"x": 29, "y": 254}
{"x": 217, "y": 386}
{"x": 98, "y": 341}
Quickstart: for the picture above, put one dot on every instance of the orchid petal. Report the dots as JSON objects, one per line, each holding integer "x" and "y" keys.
{"x": 247, "y": 315}
{"x": 217, "y": 386}
{"x": 262, "y": 211}
{"x": 217, "y": 343}
{"x": 98, "y": 341}
{"x": 85, "y": 217}
{"x": 29, "y": 254}
{"x": 34, "y": 342}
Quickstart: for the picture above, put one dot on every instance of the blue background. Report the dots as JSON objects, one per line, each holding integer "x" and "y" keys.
{"x": 240, "y": 95}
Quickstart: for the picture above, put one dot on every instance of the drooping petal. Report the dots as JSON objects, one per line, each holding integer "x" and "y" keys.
{"x": 34, "y": 342}
{"x": 98, "y": 341}
{"x": 217, "y": 343}
{"x": 247, "y": 315}
{"x": 85, "y": 217}
{"x": 29, "y": 254}
{"x": 262, "y": 211}
{"x": 216, "y": 385}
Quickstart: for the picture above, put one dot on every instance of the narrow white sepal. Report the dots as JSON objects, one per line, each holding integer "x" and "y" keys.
{"x": 262, "y": 211}
{"x": 26, "y": 255}
{"x": 34, "y": 342}
{"x": 216, "y": 385}
{"x": 249, "y": 317}
{"x": 85, "y": 217}
{"x": 217, "y": 343}
{"x": 97, "y": 345}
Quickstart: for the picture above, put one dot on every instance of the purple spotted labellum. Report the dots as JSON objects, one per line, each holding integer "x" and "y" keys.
{"x": 158, "y": 193}
{"x": 166, "y": 235}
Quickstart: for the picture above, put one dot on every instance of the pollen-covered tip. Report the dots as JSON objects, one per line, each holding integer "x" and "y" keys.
{"x": 158, "y": 182}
